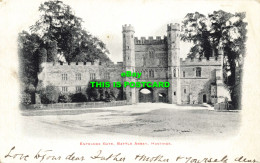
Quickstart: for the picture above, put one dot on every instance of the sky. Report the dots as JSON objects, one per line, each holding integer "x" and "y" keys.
{"x": 104, "y": 18}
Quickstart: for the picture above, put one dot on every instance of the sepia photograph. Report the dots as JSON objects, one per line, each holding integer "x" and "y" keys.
{"x": 187, "y": 81}
{"x": 129, "y": 81}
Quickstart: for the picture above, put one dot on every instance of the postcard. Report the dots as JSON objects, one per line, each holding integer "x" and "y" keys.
{"x": 129, "y": 81}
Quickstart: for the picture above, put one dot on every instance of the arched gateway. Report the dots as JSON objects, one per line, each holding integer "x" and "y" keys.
{"x": 145, "y": 95}
{"x": 158, "y": 60}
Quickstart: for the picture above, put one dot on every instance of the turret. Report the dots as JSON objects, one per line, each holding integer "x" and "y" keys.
{"x": 129, "y": 60}
{"x": 173, "y": 43}
{"x": 173, "y": 40}
{"x": 128, "y": 46}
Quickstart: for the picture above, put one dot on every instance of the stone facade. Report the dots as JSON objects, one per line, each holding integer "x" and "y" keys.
{"x": 74, "y": 77}
{"x": 192, "y": 81}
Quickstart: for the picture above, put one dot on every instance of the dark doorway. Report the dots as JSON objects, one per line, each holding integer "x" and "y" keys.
{"x": 204, "y": 98}
{"x": 145, "y": 95}
{"x": 162, "y": 97}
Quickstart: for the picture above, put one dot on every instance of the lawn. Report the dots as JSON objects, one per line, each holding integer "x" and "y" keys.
{"x": 149, "y": 119}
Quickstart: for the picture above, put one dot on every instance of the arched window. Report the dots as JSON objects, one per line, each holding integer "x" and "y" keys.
{"x": 151, "y": 73}
{"x": 151, "y": 54}
{"x": 198, "y": 72}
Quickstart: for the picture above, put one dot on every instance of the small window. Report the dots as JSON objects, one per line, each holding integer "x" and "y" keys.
{"x": 78, "y": 89}
{"x": 78, "y": 76}
{"x": 124, "y": 35}
{"x": 64, "y": 89}
{"x": 184, "y": 91}
{"x": 64, "y": 76}
{"x": 174, "y": 93}
{"x": 107, "y": 76}
{"x": 198, "y": 72}
{"x": 77, "y": 63}
{"x": 92, "y": 76}
{"x": 151, "y": 73}
{"x": 127, "y": 47}
{"x": 183, "y": 74}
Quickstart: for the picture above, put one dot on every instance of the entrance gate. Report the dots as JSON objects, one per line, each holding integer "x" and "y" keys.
{"x": 145, "y": 95}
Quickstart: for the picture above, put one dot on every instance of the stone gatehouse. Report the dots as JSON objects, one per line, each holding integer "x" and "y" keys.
{"x": 192, "y": 81}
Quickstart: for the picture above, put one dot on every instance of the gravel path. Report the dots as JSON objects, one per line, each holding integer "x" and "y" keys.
{"x": 146, "y": 119}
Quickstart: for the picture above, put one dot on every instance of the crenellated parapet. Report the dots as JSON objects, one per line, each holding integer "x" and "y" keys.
{"x": 202, "y": 61}
{"x": 150, "y": 40}
{"x": 127, "y": 28}
{"x": 80, "y": 64}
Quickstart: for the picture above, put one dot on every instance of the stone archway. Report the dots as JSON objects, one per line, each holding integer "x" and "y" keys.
{"x": 145, "y": 95}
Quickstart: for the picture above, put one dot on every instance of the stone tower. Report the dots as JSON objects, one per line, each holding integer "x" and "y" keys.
{"x": 173, "y": 41}
{"x": 129, "y": 60}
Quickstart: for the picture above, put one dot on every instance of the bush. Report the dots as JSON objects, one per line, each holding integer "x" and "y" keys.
{"x": 64, "y": 98}
{"x": 114, "y": 93}
{"x": 93, "y": 94}
{"x": 78, "y": 97}
{"x": 49, "y": 95}
{"x": 104, "y": 93}
{"x": 26, "y": 98}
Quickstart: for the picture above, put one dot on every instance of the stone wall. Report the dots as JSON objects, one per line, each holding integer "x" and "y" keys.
{"x": 75, "y": 105}
{"x": 52, "y": 74}
{"x": 151, "y": 55}
{"x": 194, "y": 87}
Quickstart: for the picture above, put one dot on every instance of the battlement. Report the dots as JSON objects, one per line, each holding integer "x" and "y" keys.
{"x": 202, "y": 61}
{"x": 150, "y": 40}
{"x": 71, "y": 63}
{"x": 74, "y": 64}
{"x": 127, "y": 28}
{"x": 173, "y": 27}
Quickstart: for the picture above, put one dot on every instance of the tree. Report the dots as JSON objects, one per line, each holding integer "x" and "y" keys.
{"x": 58, "y": 31}
{"x": 61, "y": 31}
{"x": 28, "y": 46}
{"x": 27, "y": 49}
{"x": 219, "y": 30}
